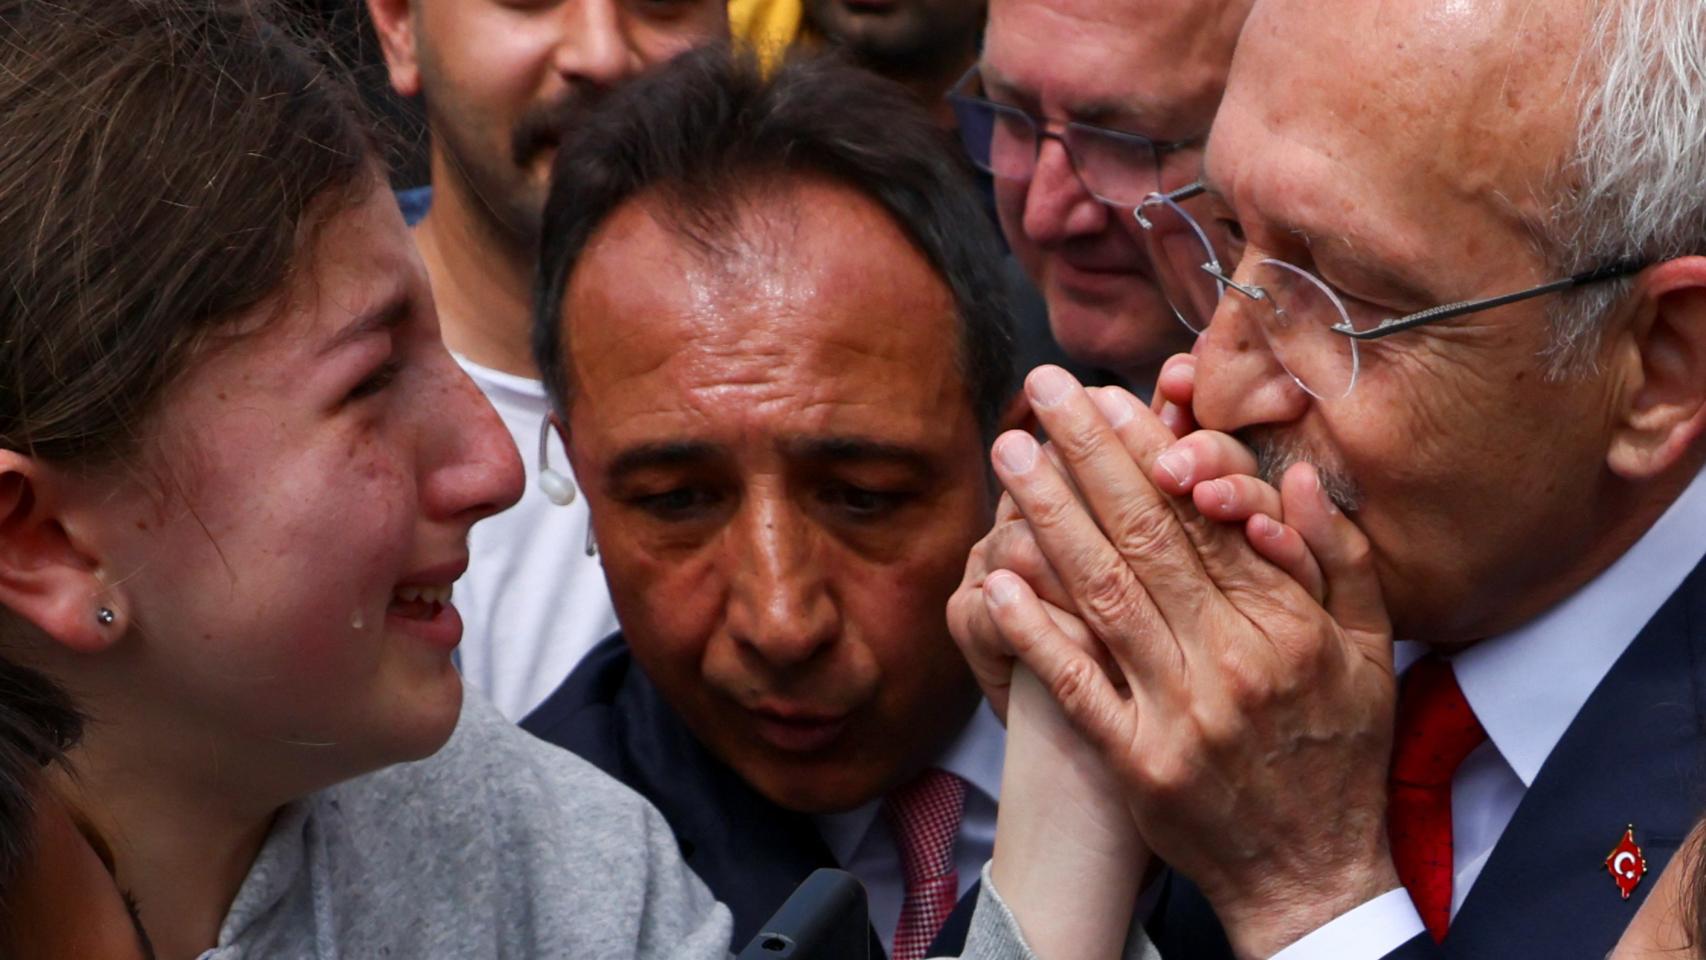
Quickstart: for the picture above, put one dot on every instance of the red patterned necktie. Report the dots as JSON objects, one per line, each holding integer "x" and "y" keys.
{"x": 924, "y": 816}
{"x": 1436, "y": 730}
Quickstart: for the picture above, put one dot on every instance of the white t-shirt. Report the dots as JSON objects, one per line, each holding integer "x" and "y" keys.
{"x": 532, "y": 602}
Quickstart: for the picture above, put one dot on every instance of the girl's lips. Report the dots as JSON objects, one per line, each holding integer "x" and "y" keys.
{"x": 439, "y": 624}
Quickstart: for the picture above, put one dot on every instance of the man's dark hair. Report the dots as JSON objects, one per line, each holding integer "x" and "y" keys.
{"x": 38, "y": 725}
{"x": 705, "y": 128}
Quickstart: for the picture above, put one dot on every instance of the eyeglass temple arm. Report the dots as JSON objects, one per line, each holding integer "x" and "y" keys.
{"x": 1621, "y": 268}
{"x": 1185, "y": 192}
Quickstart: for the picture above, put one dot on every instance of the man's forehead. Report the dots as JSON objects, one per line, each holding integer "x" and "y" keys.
{"x": 1419, "y": 104}
{"x": 819, "y": 276}
{"x": 1151, "y": 62}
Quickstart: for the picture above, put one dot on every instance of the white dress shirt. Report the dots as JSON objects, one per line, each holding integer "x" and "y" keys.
{"x": 1526, "y": 687}
{"x": 865, "y": 847}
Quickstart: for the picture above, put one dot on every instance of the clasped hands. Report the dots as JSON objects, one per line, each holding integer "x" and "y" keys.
{"x": 1220, "y": 644}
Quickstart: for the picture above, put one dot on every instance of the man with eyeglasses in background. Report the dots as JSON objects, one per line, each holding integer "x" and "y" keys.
{"x": 1079, "y": 109}
{"x": 1460, "y": 320}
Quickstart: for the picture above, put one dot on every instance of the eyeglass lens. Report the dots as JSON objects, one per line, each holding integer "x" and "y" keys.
{"x": 1293, "y": 308}
{"x": 1179, "y": 249}
{"x": 1004, "y": 141}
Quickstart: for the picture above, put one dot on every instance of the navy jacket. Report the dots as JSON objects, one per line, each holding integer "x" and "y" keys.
{"x": 749, "y": 851}
{"x": 1634, "y": 755}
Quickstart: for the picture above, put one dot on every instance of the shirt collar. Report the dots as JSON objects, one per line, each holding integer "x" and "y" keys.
{"x": 1527, "y": 686}
{"x": 974, "y": 756}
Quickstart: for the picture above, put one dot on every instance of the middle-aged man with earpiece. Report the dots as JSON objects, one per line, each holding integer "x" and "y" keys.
{"x": 772, "y": 325}
{"x": 1511, "y": 486}
{"x": 500, "y": 80}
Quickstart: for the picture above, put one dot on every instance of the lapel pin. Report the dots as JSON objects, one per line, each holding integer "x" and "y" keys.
{"x": 1626, "y": 863}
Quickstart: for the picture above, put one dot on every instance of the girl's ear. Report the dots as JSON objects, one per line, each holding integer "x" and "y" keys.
{"x": 44, "y": 577}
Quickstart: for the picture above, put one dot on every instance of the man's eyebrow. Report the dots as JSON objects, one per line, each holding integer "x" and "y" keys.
{"x": 668, "y": 453}
{"x": 1385, "y": 277}
{"x": 1342, "y": 252}
{"x": 852, "y": 448}
{"x": 387, "y": 316}
{"x": 1115, "y": 114}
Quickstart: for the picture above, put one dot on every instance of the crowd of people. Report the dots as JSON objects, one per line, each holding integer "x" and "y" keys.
{"x": 1173, "y": 479}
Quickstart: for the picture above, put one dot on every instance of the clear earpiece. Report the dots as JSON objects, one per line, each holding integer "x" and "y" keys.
{"x": 557, "y": 488}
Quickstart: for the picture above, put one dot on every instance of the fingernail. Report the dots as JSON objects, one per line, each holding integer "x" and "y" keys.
{"x": 1017, "y": 452}
{"x": 1178, "y": 465}
{"x": 1048, "y": 386}
{"x": 1170, "y": 418}
{"x": 1114, "y": 406}
{"x": 1222, "y": 492}
{"x": 1267, "y": 527}
{"x": 1002, "y": 588}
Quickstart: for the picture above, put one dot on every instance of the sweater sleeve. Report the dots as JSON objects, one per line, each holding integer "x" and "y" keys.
{"x": 995, "y": 933}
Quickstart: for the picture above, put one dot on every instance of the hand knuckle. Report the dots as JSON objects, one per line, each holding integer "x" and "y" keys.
{"x": 1358, "y": 553}
{"x": 1105, "y": 595}
{"x": 1142, "y": 525}
{"x": 1072, "y": 686}
{"x": 1050, "y": 512}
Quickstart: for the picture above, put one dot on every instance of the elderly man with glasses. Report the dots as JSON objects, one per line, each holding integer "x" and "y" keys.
{"x": 1452, "y": 375}
{"x": 1079, "y": 109}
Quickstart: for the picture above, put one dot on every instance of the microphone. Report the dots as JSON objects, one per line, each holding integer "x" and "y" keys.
{"x": 557, "y": 488}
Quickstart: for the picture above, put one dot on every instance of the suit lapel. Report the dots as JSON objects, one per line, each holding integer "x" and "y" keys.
{"x": 1632, "y": 756}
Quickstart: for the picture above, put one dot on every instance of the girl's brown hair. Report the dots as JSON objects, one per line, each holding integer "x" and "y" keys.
{"x": 158, "y": 160}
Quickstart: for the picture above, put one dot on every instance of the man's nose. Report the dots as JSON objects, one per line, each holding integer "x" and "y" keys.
{"x": 1057, "y": 206}
{"x": 1240, "y": 382}
{"x": 781, "y": 606}
{"x": 595, "y": 50}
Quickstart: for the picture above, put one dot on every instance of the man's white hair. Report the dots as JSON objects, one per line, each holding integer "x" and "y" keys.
{"x": 1637, "y": 180}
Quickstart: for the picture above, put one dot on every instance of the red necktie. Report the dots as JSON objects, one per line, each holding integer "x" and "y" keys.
{"x": 924, "y": 816}
{"x": 1436, "y": 730}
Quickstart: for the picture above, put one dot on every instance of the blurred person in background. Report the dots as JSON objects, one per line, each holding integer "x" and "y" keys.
{"x": 500, "y": 82}
{"x": 925, "y": 45}
{"x": 1079, "y": 110}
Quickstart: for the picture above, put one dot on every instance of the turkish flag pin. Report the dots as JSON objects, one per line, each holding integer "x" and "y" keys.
{"x": 1626, "y": 863}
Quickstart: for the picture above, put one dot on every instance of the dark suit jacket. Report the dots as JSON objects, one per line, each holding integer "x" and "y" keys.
{"x": 1634, "y": 755}
{"x": 749, "y": 851}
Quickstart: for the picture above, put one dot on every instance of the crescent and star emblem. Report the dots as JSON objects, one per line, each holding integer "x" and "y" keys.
{"x": 1626, "y": 863}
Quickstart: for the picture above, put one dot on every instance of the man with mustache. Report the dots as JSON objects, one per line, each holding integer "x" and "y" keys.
{"x": 1468, "y": 330}
{"x": 498, "y": 81}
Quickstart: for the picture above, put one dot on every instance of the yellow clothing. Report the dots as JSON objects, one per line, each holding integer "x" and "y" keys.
{"x": 769, "y": 27}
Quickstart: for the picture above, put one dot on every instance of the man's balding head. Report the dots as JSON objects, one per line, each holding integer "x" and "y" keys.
{"x": 1422, "y": 152}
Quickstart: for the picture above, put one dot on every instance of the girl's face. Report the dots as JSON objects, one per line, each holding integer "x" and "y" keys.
{"x": 284, "y": 549}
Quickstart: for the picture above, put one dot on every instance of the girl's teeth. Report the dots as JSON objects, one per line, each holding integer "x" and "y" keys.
{"x": 418, "y": 594}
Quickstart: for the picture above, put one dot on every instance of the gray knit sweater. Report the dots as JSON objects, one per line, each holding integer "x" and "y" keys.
{"x": 499, "y": 846}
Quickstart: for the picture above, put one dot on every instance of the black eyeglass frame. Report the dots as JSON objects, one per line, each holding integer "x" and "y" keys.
{"x": 1386, "y": 328}
{"x": 1039, "y": 126}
